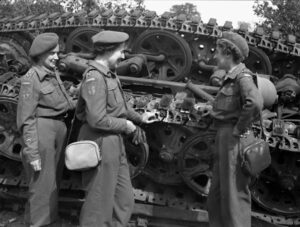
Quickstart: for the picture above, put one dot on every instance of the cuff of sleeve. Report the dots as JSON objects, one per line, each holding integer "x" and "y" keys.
{"x": 31, "y": 157}
{"x": 136, "y": 117}
{"x": 124, "y": 125}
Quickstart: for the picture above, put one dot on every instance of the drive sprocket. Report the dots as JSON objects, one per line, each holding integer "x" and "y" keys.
{"x": 178, "y": 56}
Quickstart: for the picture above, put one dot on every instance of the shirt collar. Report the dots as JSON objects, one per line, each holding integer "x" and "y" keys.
{"x": 233, "y": 72}
{"x": 43, "y": 72}
{"x": 103, "y": 69}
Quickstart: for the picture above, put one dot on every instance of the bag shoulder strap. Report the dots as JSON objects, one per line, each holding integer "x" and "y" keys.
{"x": 255, "y": 80}
{"x": 90, "y": 68}
{"x": 248, "y": 71}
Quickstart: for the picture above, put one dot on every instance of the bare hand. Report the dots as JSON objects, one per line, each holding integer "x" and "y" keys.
{"x": 130, "y": 127}
{"x": 139, "y": 136}
{"x": 36, "y": 165}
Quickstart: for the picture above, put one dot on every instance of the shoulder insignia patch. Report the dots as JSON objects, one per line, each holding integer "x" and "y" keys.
{"x": 90, "y": 84}
{"x": 26, "y": 89}
{"x": 91, "y": 89}
{"x": 29, "y": 74}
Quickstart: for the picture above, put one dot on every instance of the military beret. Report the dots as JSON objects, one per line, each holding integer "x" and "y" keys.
{"x": 110, "y": 37}
{"x": 43, "y": 43}
{"x": 237, "y": 41}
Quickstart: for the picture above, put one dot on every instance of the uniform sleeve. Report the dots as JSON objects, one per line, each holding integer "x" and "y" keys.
{"x": 94, "y": 93}
{"x": 131, "y": 114}
{"x": 26, "y": 116}
{"x": 134, "y": 116}
{"x": 252, "y": 104}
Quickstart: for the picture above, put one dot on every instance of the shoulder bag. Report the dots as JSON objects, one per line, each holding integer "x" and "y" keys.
{"x": 84, "y": 154}
{"x": 255, "y": 156}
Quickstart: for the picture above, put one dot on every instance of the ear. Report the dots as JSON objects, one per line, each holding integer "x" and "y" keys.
{"x": 228, "y": 55}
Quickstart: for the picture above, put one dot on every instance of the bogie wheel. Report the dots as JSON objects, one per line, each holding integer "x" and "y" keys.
{"x": 258, "y": 61}
{"x": 277, "y": 188}
{"x": 196, "y": 160}
{"x": 178, "y": 57}
{"x": 165, "y": 142}
{"x": 10, "y": 139}
{"x": 15, "y": 48}
{"x": 80, "y": 40}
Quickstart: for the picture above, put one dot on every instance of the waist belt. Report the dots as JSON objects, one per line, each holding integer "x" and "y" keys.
{"x": 60, "y": 117}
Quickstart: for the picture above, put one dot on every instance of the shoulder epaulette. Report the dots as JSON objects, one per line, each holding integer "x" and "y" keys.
{"x": 250, "y": 73}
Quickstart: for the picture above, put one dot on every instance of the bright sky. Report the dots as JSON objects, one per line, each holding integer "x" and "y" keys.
{"x": 222, "y": 10}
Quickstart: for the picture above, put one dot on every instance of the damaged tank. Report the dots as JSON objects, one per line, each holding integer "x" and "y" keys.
{"x": 169, "y": 71}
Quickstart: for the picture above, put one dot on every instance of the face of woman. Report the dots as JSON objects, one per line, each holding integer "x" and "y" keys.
{"x": 116, "y": 56}
{"x": 222, "y": 59}
{"x": 50, "y": 58}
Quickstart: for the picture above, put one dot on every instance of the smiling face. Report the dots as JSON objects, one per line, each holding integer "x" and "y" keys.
{"x": 116, "y": 57}
{"x": 50, "y": 58}
{"x": 223, "y": 60}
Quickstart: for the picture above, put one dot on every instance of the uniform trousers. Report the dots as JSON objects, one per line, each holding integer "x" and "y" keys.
{"x": 229, "y": 199}
{"x": 41, "y": 208}
{"x": 109, "y": 199}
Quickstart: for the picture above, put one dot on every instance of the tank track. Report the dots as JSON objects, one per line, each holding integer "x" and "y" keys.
{"x": 163, "y": 204}
{"x": 148, "y": 20}
{"x": 271, "y": 54}
{"x": 267, "y": 49}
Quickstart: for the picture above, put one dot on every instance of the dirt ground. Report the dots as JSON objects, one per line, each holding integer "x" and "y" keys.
{"x": 13, "y": 217}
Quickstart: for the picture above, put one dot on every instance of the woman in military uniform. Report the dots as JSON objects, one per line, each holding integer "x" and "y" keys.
{"x": 236, "y": 106}
{"x": 102, "y": 109}
{"x": 42, "y": 106}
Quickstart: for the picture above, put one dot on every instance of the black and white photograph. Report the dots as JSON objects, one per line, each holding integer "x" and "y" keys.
{"x": 149, "y": 113}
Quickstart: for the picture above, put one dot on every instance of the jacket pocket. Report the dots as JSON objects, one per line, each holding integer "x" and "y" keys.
{"x": 114, "y": 93}
{"x": 227, "y": 99}
{"x": 47, "y": 89}
{"x": 49, "y": 94}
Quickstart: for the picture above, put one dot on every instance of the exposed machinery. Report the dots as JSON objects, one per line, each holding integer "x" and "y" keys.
{"x": 164, "y": 52}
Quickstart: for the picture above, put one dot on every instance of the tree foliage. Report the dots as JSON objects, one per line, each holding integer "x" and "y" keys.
{"x": 282, "y": 15}
{"x": 29, "y": 7}
{"x": 121, "y": 4}
{"x": 14, "y": 8}
{"x": 188, "y": 9}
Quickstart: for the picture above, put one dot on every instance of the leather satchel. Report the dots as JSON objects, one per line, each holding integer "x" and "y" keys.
{"x": 82, "y": 155}
{"x": 255, "y": 155}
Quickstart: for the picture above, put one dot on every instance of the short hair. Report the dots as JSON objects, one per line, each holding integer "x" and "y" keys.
{"x": 35, "y": 59}
{"x": 229, "y": 49}
{"x": 100, "y": 49}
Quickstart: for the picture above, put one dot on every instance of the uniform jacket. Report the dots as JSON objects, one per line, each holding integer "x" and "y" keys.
{"x": 101, "y": 103}
{"x": 238, "y": 101}
{"x": 42, "y": 94}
